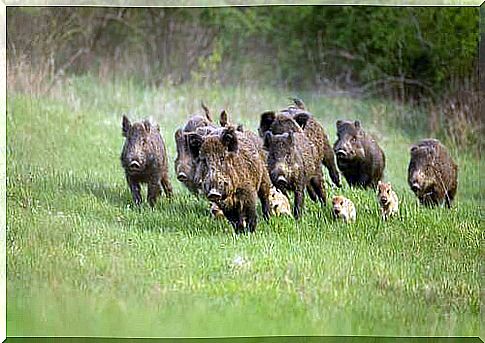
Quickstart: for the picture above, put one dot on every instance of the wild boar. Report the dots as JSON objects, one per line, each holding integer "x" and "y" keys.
{"x": 284, "y": 121}
{"x": 279, "y": 203}
{"x": 293, "y": 165}
{"x": 144, "y": 159}
{"x": 343, "y": 208}
{"x": 232, "y": 173}
{"x": 184, "y": 164}
{"x": 359, "y": 157}
{"x": 432, "y": 173}
{"x": 387, "y": 199}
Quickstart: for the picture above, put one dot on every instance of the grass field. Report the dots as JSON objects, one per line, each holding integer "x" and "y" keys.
{"x": 82, "y": 261}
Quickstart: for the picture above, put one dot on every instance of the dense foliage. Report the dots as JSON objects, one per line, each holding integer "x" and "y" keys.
{"x": 301, "y": 46}
{"x": 424, "y": 55}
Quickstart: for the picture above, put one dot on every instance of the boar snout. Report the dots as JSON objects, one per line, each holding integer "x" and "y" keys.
{"x": 278, "y": 176}
{"x": 282, "y": 182}
{"x": 415, "y": 187}
{"x": 134, "y": 165}
{"x": 214, "y": 195}
{"x": 182, "y": 177}
{"x": 344, "y": 151}
{"x": 384, "y": 200}
{"x": 341, "y": 153}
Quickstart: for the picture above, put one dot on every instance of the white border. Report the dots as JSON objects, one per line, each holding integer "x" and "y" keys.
{"x": 143, "y": 3}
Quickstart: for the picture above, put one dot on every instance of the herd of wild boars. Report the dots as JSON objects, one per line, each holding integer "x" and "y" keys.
{"x": 234, "y": 167}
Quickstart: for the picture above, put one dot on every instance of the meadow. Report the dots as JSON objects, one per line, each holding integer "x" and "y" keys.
{"x": 82, "y": 261}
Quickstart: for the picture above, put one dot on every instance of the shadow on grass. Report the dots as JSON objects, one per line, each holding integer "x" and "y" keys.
{"x": 104, "y": 192}
{"x": 183, "y": 213}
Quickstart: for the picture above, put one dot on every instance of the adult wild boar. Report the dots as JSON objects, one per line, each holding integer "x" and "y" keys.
{"x": 293, "y": 164}
{"x": 432, "y": 173}
{"x": 144, "y": 159}
{"x": 284, "y": 121}
{"x": 359, "y": 157}
{"x": 232, "y": 173}
{"x": 184, "y": 163}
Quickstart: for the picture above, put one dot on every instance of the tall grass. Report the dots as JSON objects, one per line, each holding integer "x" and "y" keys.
{"x": 82, "y": 261}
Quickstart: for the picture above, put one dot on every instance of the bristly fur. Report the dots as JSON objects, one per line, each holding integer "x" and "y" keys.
{"x": 359, "y": 157}
{"x": 144, "y": 159}
{"x": 387, "y": 199}
{"x": 231, "y": 165}
{"x": 433, "y": 173}
{"x": 184, "y": 164}
{"x": 295, "y": 118}
{"x": 343, "y": 208}
{"x": 293, "y": 165}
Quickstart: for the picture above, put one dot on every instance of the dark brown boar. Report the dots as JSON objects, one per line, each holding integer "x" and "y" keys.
{"x": 359, "y": 157}
{"x": 197, "y": 120}
{"x": 293, "y": 164}
{"x": 284, "y": 123}
{"x": 232, "y": 172}
{"x": 285, "y": 120}
{"x": 144, "y": 159}
{"x": 432, "y": 174}
{"x": 184, "y": 163}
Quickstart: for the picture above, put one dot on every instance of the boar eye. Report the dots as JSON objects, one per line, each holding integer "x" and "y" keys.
{"x": 353, "y": 140}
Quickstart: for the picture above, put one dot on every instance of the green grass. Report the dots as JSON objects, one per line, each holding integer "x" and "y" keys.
{"x": 82, "y": 261}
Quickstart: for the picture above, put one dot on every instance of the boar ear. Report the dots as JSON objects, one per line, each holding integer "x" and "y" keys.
{"x": 125, "y": 126}
{"x": 302, "y": 119}
{"x": 339, "y": 123}
{"x": 206, "y": 111}
{"x": 157, "y": 126}
{"x": 267, "y": 139}
{"x": 229, "y": 139}
{"x": 223, "y": 118}
{"x": 357, "y": 124}
{"x": 195, "y": 142}
{"x": 147, "y": 125}
{"x": 298, "y": 102}
{"x": 290, "y": 137}
{"x": 267, "y": 119}
{"x": 413, "y": 148}
{"x": 178, "y": 134}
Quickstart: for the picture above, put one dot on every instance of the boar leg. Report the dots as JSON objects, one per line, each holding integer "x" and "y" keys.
{"x": 316, "y": 183}
{"x": 135, "y": 190}
{"x": 297, "y": 209}
{"x": 311, "y": 192}
{"x": 329, "y": 163}
{"x": 250, "y": 214}
{"x": 167, "y": 187}
{"x": 364, "y": 181}
{"x": 153, "y": 192}
{"x": 263, "y": 194}
{"x": 232, "y": 216}
{"x": 449, "y": 198}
